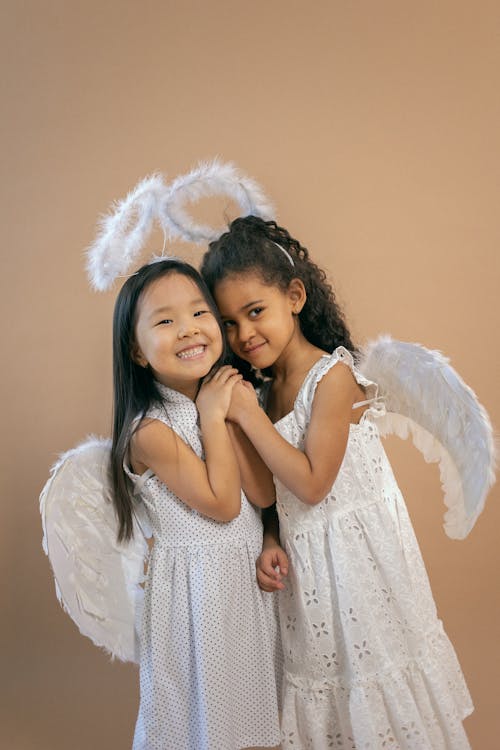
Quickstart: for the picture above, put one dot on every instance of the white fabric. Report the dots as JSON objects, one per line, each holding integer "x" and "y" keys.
{"x": 208, "y": 641}
{"x": 367, "y": 663}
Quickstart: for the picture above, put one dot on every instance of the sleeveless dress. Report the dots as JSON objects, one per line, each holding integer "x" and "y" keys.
{"x": 209, "y": 645}
{"x": 367, "y": 663}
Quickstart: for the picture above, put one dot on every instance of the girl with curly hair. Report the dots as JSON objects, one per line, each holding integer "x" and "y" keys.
{"x": 367, "y": 663}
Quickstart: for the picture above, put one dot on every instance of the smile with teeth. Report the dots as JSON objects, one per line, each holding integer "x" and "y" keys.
{"x": 191, "y": 352}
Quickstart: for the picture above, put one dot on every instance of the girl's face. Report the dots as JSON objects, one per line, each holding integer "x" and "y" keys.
{"x": 176, "y": 333}
{"x": 258, "y": 318}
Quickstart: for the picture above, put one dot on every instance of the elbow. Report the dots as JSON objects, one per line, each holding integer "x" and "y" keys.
{"x": 313, "y": 498}
{"x": 230, "y": 512}
{"x": 232, "y": 515}
{"x": 314, "y": 495}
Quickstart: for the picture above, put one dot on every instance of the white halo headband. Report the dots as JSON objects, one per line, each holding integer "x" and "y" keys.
{"x": 120, "y": 240}
{"x": 206, "y": 180}
{"x": 124, "y": 232}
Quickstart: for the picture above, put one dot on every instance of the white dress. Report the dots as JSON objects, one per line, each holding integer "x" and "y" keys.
{"x": 367, "y": 663}
{"x": 208, "y": 640}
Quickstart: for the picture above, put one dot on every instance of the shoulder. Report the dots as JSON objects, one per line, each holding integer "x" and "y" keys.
{"x": 332, "y": 370}
{"x": 332, "y": 379}
{"x": 337, "y": 383}
{"x": 151, "y": 436}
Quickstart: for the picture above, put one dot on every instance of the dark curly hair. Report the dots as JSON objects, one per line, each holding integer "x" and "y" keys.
{"x": 249, "y": 246}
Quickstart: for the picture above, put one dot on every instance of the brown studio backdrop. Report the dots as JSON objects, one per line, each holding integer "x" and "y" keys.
{"x": 374, "y": 127}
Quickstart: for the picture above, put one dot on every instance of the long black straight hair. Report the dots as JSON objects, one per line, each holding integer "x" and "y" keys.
{"x": 134, "y": 387}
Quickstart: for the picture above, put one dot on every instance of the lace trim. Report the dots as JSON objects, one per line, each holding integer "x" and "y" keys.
{"x": 305, "y": 396}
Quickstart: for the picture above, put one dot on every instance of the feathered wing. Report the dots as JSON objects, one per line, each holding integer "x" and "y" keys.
{"x": 427, "y": 399}
{"x": 98, "y": 580}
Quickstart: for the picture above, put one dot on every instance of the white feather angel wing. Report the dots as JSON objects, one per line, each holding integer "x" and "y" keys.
{"x": 97, "y": 579}
{"x": 426, "y": 398}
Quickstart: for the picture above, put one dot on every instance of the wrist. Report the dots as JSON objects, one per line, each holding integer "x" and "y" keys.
{"x": 269, "y": 542}
{"x": 212, "y": 419}
{"x": 248, "y": 416}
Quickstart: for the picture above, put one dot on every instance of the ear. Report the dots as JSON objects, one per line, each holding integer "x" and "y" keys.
{"x": 297, "y": 295}
{"x": 138, "y": 357}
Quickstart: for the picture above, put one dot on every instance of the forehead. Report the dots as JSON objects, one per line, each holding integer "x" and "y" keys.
{"x": 173, "y": 289}
{"x": 238, "y": 289}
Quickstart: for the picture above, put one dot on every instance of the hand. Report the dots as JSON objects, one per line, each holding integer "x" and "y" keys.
{"x": 243, "y": 397}
{"x": 272, "y": 567}
{"x": 214, "y": 396}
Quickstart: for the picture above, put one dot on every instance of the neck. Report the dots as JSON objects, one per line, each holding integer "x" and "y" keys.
{"x": 297, "y": 358}
{"x": 188, "y": 389}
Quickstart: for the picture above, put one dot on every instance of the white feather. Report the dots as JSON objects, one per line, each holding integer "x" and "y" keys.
{"x": 124, "y": 232}
{"x": 210, "y": 179}
{"x": 427, "y": 399}
{"x": 98, "y": 580}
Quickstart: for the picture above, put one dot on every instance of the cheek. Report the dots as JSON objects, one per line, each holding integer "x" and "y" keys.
{"x": 217, "y": 338}
{"x": 230, "y": 335}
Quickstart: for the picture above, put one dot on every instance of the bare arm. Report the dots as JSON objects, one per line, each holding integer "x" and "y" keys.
{"x": 272, "y": 563}
{"x": 256, "y": 479}
{"x": 211, "y": 487}
{"x": 309, "y": 474}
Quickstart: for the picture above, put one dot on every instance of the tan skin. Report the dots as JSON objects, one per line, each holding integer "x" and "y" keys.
{"x": 262, "y": 327}
{"x": 180, "y": 342}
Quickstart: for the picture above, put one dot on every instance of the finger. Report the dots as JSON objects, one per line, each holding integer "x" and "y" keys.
{"x": 272, "y": 586}
{"x": 271, "y": 589}
{"x": 268, "y": 568}
{"x": 282, "y": 561}
{"x": 232, "y": 380}
{"x": 267, "y": 583}
{"x": 227, "y": 372}
{"x": 267, "y": 563}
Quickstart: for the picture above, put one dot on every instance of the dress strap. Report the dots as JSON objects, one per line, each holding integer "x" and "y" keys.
{"x": 305, "y": 397}
{"x": 368, "y": 401}
{"x": 141, "y": 481}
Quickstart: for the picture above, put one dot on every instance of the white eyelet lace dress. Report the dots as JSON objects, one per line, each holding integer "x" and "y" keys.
{"x": 367, "y": 663}
{"x": 209, "y": 645}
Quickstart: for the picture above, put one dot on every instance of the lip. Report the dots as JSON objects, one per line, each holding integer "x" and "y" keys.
{"x": 252, "y": 349}
{"x": 197, "y": 352}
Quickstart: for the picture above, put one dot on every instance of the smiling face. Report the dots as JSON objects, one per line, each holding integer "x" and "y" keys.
{"x": 259, "y": 318}
{"x": 176, "y": 333}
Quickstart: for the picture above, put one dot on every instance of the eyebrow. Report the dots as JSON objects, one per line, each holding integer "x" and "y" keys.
{"x": 248, "y": 304}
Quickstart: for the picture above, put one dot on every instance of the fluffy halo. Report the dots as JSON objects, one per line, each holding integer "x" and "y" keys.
{"x": 124, "y": 232}
{"x": 209, "y": 179}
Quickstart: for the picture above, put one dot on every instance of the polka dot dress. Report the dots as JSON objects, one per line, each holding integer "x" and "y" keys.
{"x": 209, "y": 646}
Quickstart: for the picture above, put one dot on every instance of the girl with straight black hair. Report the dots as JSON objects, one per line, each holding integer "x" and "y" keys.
{"x": 207, "y": 674}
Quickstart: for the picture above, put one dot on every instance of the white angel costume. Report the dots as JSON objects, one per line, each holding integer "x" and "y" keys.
{"x": 208, "y": 639}
{"x": 367, "y": 663}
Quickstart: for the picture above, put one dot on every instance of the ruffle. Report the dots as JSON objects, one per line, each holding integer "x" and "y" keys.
{"x": 427, "y": 399}
{"x": 418, "y": 706}
{"x": 305, "y": 397}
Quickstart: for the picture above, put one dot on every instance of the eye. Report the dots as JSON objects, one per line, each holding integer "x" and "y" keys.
{"x": 255, "y": 312}
{"x": 201, "y": 312}
{"x": 228, "y": 323}
{"x": 166, "y": 321}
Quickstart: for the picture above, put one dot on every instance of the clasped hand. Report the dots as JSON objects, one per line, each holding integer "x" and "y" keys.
{"x": 214, "y": 396}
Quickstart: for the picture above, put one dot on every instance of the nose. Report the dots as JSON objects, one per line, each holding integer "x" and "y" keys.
{"x": 187, "y": 329}
{"x": 245, "y": 331}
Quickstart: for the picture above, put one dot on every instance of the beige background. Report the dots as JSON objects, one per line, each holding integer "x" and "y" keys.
{"x": 375, "y": 128}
